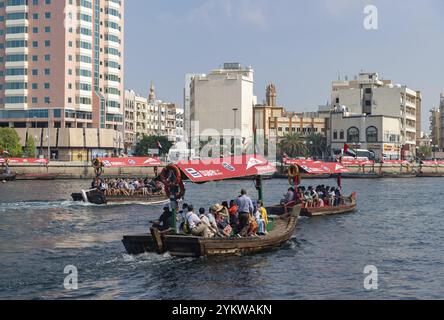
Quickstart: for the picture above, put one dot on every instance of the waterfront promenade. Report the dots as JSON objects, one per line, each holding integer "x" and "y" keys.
{"x": 84, "y": 170}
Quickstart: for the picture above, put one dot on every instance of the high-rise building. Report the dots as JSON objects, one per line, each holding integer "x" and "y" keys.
{"x": 441, "y": 126}
{"x": 61, "y": 64}
{"x": 435, "y": 127}
{"x": 187, "y": 106}
{"x": 375, "y": 114}
{"x": 223, "y": 100}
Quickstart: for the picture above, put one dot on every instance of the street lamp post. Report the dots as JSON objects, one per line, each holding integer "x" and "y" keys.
{"x": 49, "y": 130}
{"x": 235, "y": 110}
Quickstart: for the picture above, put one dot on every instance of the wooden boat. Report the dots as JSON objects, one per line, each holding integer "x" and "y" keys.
{"x": 430, "y": 175}
{"x": 189, "y": 246}
{"x": 7, "y": 177}
{"x": 37, "y": 176}
{"x": 97, "y": 197}
{"x": 349, "y": 205}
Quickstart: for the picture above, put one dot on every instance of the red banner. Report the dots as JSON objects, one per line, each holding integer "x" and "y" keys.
{"x": 289, "y": 162}
{"x": 319, "y": 167}
{"x": 12, "y": 161}
{"x": 433, "y": 163}
{"x": 131, "y": 162}
{"x": 226, "y": 168}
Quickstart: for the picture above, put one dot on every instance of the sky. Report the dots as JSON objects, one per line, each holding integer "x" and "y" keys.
{"x": 301, "y": 46}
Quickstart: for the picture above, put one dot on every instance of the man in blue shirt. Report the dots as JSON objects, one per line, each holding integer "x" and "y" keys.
{"x": 245, "y": 209}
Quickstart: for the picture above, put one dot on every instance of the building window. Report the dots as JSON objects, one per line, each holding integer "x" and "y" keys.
{"x": 335, "y": 135}
{"x": 353, "y": 135}
{"x": 372, "y": 134}
{"x": 342, "y": 135}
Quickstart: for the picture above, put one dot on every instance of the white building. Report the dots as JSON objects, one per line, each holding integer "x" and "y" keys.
{"x": 224, "y": 100}
{"x": 368, "y": 107}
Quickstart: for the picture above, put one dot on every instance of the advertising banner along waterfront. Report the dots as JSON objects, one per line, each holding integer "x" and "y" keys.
{"x": 24, "y": 161}
{"x": 226, "y": 168}
{"x": 131, "y": 162}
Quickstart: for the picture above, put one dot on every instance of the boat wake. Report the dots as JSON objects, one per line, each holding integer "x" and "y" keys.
{"x": 41, "y": 205}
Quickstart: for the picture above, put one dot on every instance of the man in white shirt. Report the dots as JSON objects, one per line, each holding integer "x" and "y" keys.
{"x": 197, "y": 227}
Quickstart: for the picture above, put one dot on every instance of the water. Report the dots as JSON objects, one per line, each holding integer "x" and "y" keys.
{"x": 399, "y": 228}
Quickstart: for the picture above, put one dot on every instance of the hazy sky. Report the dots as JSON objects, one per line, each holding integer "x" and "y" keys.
{"x": 299, "y": 45}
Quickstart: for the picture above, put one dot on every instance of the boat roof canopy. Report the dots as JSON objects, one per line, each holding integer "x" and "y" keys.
{"x": 131, "y": 162}
{"x": 320, "y": 167}
{"x": 217, "y": 169}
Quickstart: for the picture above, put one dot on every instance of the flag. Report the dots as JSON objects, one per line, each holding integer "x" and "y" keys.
{"x": 349, "y": 152}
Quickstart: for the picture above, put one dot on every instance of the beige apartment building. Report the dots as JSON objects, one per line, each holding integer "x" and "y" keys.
{"x": 377, "y": 115}
{"x": 275, "y": 120}
{"x": 149, "y": 117}
{"x": 61, "y": 65}
{"x": 223, "y": 101}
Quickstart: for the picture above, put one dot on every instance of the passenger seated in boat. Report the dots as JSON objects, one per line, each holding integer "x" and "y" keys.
{"x": 95, "y": 184}
{"x": 181, "y": 217}
{"x": 211, "y": 215}
{"x": 308, "y": 199}
{"x": 338, "y": 196}
{"x": 289, "y": 197}
{"x": 253, "y": 228}
{"x": 197, "y": 227}
{"x": 332, "y": 197}
{"x": 164, "y": 222}
{"x": 234, "y": 218}
{"x": 262, "y": 218}
{"x": 212, "y": 229}
{"x": 221, "y": 214}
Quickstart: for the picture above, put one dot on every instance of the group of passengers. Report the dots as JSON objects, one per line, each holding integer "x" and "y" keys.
{"x": 128, "y": 187}
{"x": 319, "y": 197}
{"x": 239, "y": 218}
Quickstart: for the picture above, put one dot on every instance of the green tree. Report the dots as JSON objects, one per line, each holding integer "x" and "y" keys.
{"x": 294, "y": 145}
{"x": 150, "y": 142}
{"x": 425, "y": 152}
{"x": 29, "y": 150}
{"x": 10, "y": 141}
{"x": 317, "y": 145}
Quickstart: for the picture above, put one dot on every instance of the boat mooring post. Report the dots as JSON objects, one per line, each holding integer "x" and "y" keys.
{"x": 260, "y": 188}
{"x": 174, "y": 204}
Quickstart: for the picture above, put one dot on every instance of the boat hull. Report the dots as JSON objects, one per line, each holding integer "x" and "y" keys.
{"x": 326, "y": 211}
{"x": 8, "y": 177}
{"x": 189, "y": 246}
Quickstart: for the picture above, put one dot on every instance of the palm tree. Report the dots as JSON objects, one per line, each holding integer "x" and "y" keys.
{"x": 317, "y": 145}
{"x": 293, "y": 145}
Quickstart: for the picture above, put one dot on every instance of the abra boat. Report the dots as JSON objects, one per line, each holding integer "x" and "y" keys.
{"x": 98, "y": 197}
{"x": 281, "y": 229}
{"x": 348, "y": 204}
